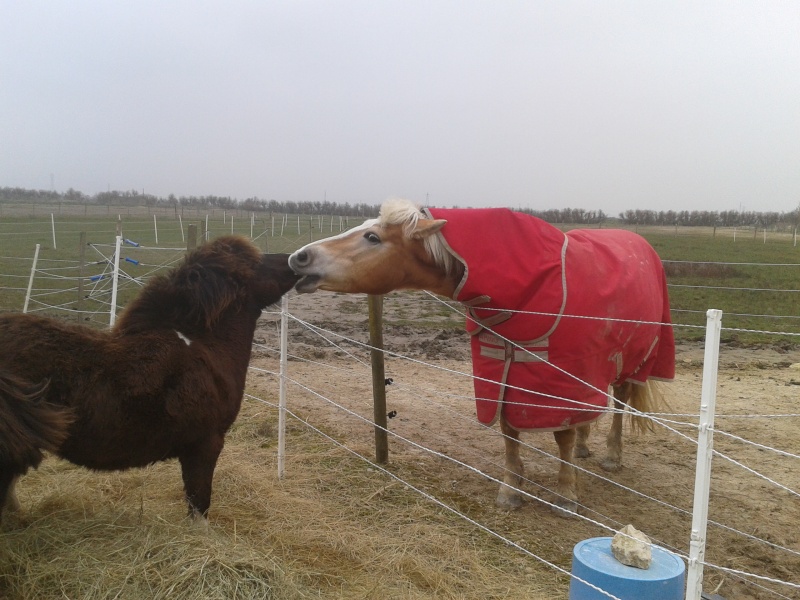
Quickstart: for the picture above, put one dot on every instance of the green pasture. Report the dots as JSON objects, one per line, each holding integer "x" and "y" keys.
{"x": 753, "y": 279}
{"x": 74, "y": 276}
{"x": 755, "y": 283}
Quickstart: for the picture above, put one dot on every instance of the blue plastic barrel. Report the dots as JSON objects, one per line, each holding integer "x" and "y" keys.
{"x": 594, "y": 563}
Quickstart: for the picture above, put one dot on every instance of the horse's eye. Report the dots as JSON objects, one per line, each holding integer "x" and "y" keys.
{"x": 372, "y": 237}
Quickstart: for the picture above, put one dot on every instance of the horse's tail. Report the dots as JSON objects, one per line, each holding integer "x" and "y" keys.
{"x": 29, "y": 424}
{"x": 644, "y": 399}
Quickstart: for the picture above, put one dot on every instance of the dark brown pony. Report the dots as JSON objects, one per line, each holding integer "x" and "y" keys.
{"x": 165, "y": 382}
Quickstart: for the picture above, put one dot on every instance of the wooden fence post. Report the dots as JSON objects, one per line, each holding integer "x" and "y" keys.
{"x": 191, "y": 238}
{"x": 378, "y": 378}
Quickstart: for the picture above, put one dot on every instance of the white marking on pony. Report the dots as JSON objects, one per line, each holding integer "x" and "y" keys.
{"x": 365, "y": 225}
{"x": 184, "y": 338}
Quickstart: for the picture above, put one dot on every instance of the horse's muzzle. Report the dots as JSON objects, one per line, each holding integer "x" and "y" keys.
{"x": 299, "y": 260}
{"x": 307, "y": 284}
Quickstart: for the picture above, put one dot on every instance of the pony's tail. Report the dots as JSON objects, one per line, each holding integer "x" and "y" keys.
{"x": 28, "y": 424}
{"x": 644, "y": 399}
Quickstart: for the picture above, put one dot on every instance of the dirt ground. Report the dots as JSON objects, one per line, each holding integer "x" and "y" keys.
{"x": 436, "y": 439}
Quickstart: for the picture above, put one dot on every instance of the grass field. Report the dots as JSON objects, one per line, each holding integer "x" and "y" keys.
{"x": 755, "y": 284}
{"x": 161, "y": 242}
{"x": 753, "y": 279}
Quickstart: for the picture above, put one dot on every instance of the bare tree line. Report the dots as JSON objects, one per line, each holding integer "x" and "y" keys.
{"x": 136, "y": 198}
{"x": 578, "y": 216}
{"x": 705, "y": 218}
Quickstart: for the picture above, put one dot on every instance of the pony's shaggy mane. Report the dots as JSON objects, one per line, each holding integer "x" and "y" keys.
{"x": 398, "y": 211}
{"x": 194, "y": 295}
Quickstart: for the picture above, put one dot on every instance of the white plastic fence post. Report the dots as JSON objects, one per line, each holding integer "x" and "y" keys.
{"x": 30, "y": 281}
{"x": 53, "y": 226}
{"x": 282, "y": 385}
{"x": 180, "y": 222}
{"x": 155, "y": 228}
{"x": 705, "y": 443}
{"x": 115, "y": 283}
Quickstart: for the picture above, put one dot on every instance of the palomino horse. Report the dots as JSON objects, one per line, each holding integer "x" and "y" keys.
{"x": 555, "y": 318}
{"x": 166, "y": 381}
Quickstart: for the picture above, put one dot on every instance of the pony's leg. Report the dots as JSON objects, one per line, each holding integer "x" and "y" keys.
{"x": 509, "y": 498}
{"x": 197, "y": 469}
{"x": 581, "y": 448}
{"x": 8, "y": 498}
{"x": 567, "y": 489}
{"x": 12, "y": 503}
{"x": 613, "y": 460}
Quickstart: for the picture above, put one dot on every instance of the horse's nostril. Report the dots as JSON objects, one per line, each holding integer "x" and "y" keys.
{"x": 302, "y": 258}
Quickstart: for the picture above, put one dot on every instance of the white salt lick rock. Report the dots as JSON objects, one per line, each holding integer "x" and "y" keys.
{"x": 631, "y": 547}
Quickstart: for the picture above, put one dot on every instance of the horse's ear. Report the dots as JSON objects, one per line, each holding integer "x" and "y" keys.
{"x": 427, "y": 227}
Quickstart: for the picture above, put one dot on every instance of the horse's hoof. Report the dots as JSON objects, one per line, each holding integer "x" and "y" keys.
{"x": 197, "y": 522}
{"x": 199, "y": 525}
{"x": 566, "y": 509}
{"x": 582, "y": 452}
{"x": 509, "y": 502}
{"x": 612, "y": 466}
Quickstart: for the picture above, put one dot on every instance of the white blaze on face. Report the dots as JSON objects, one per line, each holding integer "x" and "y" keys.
{"x": 364, "y": 226}
{"x": 317, "y": 264}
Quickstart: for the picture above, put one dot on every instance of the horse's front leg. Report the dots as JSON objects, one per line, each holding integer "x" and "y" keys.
{"x": 581, "y": 445}
{"x": 197, "y": 469}
{"x": 613, "y": 460}
{"x": 567, "y": 489}
{"x": 509, "y": 497}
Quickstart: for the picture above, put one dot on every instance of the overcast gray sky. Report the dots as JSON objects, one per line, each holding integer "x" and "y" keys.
{"x": 606, "y": 105}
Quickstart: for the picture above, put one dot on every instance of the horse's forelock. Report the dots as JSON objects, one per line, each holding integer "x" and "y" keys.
{"x": 404, "y": 212}
{"x": 400, "y": 212}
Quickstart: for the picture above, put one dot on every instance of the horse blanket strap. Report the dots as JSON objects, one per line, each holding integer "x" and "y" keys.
{"x": 511, "y": 354}
{"x": 488, "y": 322}
{"x": 477, "y": 300}
{"x": 590, "y": 309}
{"x": 495, "y": 347}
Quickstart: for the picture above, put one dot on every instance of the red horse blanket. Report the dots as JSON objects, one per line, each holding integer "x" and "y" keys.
{"x": 556, "y": 318}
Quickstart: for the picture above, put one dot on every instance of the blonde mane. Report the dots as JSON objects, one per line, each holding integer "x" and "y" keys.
{"x": 397, "y": 211}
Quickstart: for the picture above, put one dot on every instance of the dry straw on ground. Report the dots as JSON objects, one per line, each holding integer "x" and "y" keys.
{"x": 333, "y": 528}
